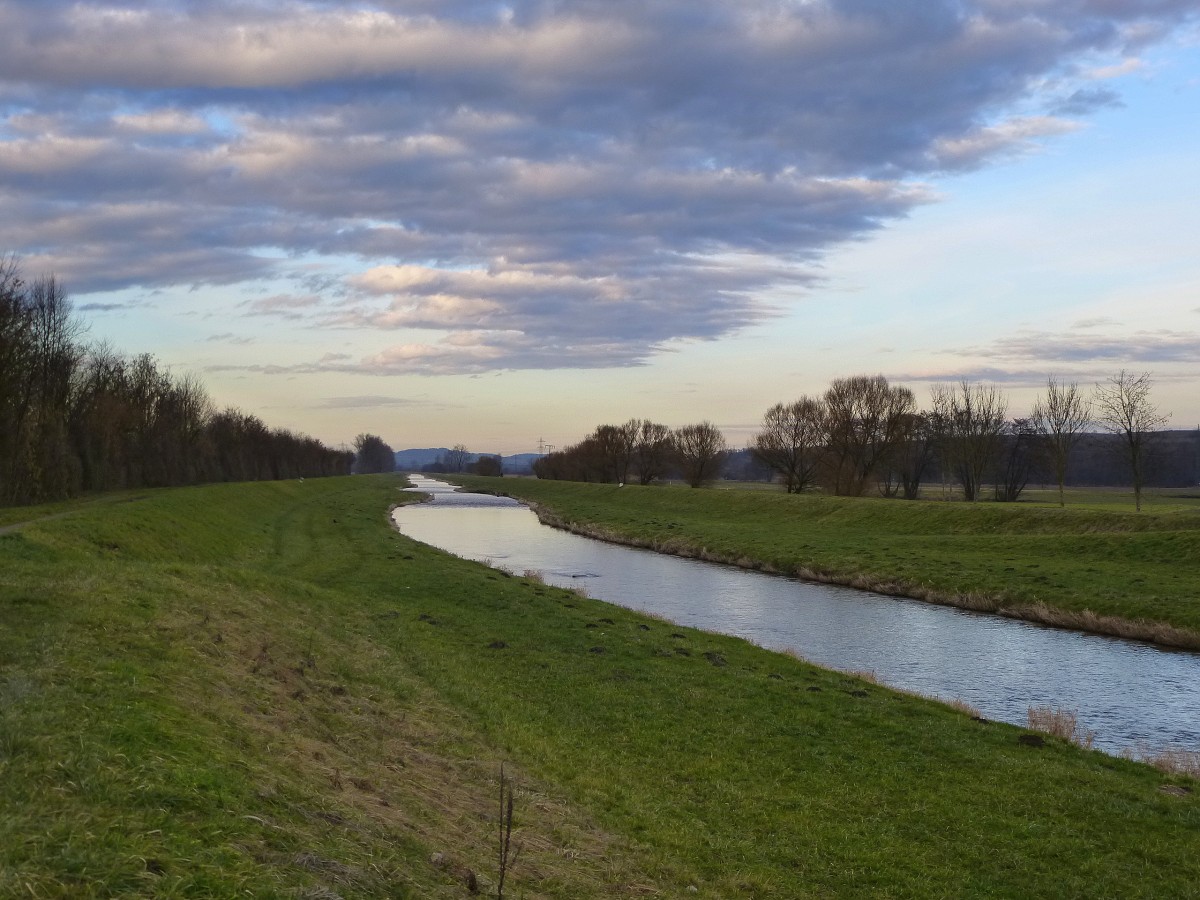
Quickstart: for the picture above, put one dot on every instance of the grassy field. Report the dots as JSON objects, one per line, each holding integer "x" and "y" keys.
{"x": 262, "y": 690}
{"x": 1096, "y": 564}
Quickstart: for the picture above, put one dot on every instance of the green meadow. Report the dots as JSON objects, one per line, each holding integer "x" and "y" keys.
{"x": 263, "y": 690}
{"x": 1096, "y": 564}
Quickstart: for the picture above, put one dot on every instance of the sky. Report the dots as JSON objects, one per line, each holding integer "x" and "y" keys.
{"x": 487, "y": 223}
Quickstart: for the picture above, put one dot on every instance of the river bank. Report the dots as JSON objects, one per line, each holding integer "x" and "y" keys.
{"x": 1129, "y": 575}
{"x": 1134, "y": 697}
{"x": 263, "y": 689}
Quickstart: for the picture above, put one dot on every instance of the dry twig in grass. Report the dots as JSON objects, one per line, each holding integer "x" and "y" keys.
{"x": 508, "y": 855}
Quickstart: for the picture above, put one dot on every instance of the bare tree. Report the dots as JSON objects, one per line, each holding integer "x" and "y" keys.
{"x": 1123, "y": 406}
{"x": 373, "y": 455}
{"x": 611, "y": 449}
{"x": 699, "y": 452}
{"x": 865, "y": 422}
{"x": 975, "y": 423}
{"x": 42, "y": 466}
{"x": 914, "y": 453}
{"x": 456, "y": 459}
{"x": 792, "y": 442}
{"x": 488, "y": 466}
{"x": 941, "y": 402}
{"x": 1016, "y": 460}
{"x": 624, "y": 448}
{"x": 1059, "y": 419}
{"x": 651, "y": 450}
{"x": 16, "y": 360}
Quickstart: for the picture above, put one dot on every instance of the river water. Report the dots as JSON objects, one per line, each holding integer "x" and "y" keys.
{"x": 1133, "y": 695}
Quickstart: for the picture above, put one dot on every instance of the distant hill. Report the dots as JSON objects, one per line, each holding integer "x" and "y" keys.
{"x": 519, "y": 463}
{"x": 414, "y": 460}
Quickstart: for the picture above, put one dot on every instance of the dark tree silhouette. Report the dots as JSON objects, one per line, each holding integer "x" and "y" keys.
{"x": 372, "y": 455}
{"x": 699, "y": 452}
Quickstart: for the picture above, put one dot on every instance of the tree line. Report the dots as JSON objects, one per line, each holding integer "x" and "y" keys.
{"x": 639, "y": 450}
{"x": 78, "y": 417}
{"x": 864, "y": 434}
{"x": 459, "y": 459}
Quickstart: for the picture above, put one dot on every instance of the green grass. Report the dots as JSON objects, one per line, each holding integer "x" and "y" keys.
{"x": 262, "y": 690}
{"x": 1093, "y": 564}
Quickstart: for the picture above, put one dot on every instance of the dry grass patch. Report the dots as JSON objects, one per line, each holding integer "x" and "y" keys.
{"x": 1171, "y": 760}
{"x": 351, "y": 741}
{"x": 1061, "y": 723}
{"x": 964, "y": 707}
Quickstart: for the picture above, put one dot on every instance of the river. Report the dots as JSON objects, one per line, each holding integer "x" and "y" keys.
{"x": 1133, "y": 695}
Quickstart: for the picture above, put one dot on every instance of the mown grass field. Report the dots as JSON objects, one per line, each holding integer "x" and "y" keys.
{"x": 1087, "y": 565}
{"x": 263, "y": 690}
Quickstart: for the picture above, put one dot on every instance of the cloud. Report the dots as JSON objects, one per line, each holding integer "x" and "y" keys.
{"x": 1094, "y": 322}
{"x": 366, "y": 402}
{"x": 1013, "y": 377}
{"x": 1087, "y": 100}
{"x": 285, "y": 306}
{"x": 1142, "y": 347}
{"x": 1124, "y": 67}
{"x": 229, "y": 337}
{"x": 577, "y": 183}
{"x": 985, "y": 144}
{"x": 104, "y": 307}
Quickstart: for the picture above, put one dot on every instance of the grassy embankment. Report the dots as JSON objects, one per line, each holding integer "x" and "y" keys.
{"x": 263, "y": 690}
{"x": 1100, "y": 567}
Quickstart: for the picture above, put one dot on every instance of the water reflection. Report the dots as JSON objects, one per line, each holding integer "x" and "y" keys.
{"x": 1129, "y": 693}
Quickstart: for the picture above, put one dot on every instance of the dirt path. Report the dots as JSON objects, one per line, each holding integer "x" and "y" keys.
{"x": 15, "y": 526}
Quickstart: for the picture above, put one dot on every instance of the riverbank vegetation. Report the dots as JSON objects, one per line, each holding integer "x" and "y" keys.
{"x": 263, "y": 690}
{"x": 1098, "y": 567}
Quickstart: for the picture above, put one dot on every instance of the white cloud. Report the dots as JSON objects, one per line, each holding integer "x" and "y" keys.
{"x": 985, "y": 144}
{"x": 1118, "y": 70}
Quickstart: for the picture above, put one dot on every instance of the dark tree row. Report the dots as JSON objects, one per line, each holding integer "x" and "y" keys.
{"x": 76, "y": 418}
{"x": 459, "y": 459}
{"x": 865, "y": 432}
{"x": 641, "y": 450}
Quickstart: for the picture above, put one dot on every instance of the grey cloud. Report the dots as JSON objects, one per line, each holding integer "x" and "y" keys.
{"x": 1014, "y": 377}
{"x": 473, "y": 352}
{"x": 228, "y": 337}
{"x": 1087, "y": 100}
{"x": 1138, "y": 347}
{"x": 286, "y": 306}
{"x": 366, "y": 402}
{"x": 1096, "y": 322}
{"x": 103, "y": 307}
{"x": 625, "y": 173}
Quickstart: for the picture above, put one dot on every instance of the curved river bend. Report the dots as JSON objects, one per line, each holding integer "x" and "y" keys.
{"x": 1134, "y": 696}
